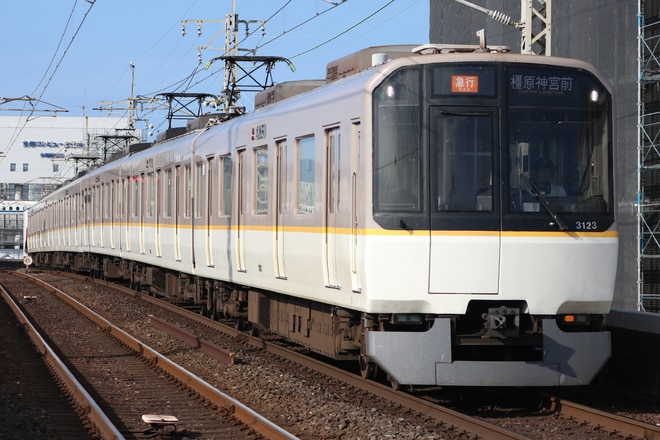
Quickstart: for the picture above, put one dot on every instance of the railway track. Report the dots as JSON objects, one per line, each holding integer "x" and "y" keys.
{"x": 142, "y": 393}
{"x": 555, "y": 420}
{"x": 608, "y": 422}
{"x": 40, "y": 405}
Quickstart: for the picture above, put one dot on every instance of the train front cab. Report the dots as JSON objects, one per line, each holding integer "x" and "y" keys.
{"x": 520, "y": 271}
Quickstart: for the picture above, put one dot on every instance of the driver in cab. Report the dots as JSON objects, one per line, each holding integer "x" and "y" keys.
{"x": 543, "y": 173}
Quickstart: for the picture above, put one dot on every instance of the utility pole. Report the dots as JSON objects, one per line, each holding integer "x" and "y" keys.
{"x": 232, "y": 58}
{"x": 230, "y": 92}
{"x": 132, "y": 104}
{"x": 536, "y": 15}
{"x": 535, "y": 24}
{"x": 131, "y": 100}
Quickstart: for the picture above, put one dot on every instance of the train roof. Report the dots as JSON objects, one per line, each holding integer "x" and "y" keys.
{"x": 375, "y": 56}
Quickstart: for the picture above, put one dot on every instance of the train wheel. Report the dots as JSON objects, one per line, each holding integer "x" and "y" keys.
{"x": 254, "y": 331}
{"x": 367, "y": 369}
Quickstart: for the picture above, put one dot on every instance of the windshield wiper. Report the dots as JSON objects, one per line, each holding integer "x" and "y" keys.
{"x": 544, "y": 201}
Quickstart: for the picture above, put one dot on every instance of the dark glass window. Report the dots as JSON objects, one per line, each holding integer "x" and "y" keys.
{"x": 463, "y": 156}
{"x": 397, "y": 149}
{"x": 558, "y": 139}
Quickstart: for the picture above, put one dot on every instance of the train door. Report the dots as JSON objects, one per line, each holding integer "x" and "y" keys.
{"x": 90, "y": 206}
{"x": 240, "y": 214}
{"x": 177, "y": 213}
{"x": 113, "y": 196}
{"x": 208, "y": 210}
{"x": 280, "y": 203}
{"x": 157, "y": 201}
{"x": 121, "y": 211}
{"x": 77, "y": 209}
{"x": 332, "y": 141}
{"x": 87, "y": 208}
{"x": 102, "y": 213}
{"x": 141, "y": 196}
{"x": 67, "y": 217}
{"x": 356, "y": 139}
{"x": 465, "y": 222}
{"x": 127, "y": 213}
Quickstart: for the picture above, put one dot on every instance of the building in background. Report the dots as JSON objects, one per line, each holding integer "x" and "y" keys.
{"x": 38, "y": 154}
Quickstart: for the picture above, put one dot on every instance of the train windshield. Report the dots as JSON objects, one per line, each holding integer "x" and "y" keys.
{"x": 558, "y": 142}
{"x": 495, "y": 140}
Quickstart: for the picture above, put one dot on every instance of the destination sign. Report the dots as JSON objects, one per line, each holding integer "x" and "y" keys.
{"x": 541, "y": 83}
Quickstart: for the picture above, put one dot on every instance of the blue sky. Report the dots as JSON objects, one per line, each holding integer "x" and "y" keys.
{"x": 73, "y": 54}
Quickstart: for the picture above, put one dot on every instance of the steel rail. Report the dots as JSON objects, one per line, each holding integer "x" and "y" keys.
{"x": 621, "y": 425}
{"x": 246, "y": 415}
{"x": 102, "y": 424}
{"x": 460, "y": 422}
{"x": 218, "y": 353}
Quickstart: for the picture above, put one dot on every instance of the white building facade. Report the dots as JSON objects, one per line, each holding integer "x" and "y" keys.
{"x": 37, "y": 154}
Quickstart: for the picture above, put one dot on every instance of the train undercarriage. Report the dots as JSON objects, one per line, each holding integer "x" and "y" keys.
{"x": 496, "y": 342}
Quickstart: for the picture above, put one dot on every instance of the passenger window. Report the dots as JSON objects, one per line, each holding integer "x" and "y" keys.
{"x": 200, "y": 171}
{"x": 226, "y": 185}
{"x": 168, "y": 193}
{"x": 305, "y": 174}
{"x": 261, "y": 181}
{"x": 151, "y": 190}
{"x": 187, "y": 196}
{"x": 136, "y": 196}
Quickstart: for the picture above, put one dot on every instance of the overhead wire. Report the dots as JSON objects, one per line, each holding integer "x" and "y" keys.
{"x": 192, "y": 80}
{"x": 343, "y": 32}
{"x": 18, "y": 132}
{"x": 286, "y": 32}
{"x": 164, "y": 58}
{"x": 196, "y": 70}
{"x": 304, "y": 22}
{"x": 66, "y": 50}
{"x": 57, "y": 49}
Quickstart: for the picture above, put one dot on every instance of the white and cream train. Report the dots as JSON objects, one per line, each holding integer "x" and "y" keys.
{"x": 397, "y": 215}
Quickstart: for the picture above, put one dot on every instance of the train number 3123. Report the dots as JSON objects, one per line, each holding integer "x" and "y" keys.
{"x": 586, "y": 226}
